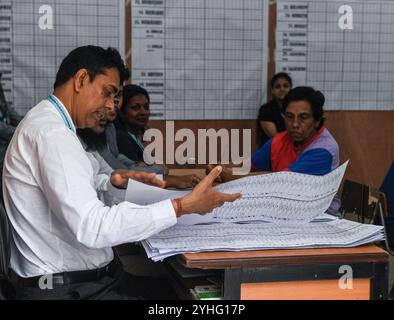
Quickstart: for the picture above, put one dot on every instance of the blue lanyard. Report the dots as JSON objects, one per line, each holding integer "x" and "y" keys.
{"x": 3, "y": 117}
{"x": 138, "y": 142}
{"x": 56, "y": 104}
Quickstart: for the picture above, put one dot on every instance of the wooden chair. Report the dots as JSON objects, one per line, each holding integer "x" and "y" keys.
{"x": 367, "y": 203}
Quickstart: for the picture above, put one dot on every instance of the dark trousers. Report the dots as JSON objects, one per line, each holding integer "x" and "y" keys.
{"x": 120, "y": 286}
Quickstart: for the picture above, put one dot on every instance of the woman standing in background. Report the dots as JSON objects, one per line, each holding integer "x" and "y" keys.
{"x": 270, "y": 120}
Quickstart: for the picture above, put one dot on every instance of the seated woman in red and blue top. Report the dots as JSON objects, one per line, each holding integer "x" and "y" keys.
{"x": 305, "y": 147}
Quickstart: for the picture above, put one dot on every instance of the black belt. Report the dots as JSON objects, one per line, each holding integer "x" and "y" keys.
{"x": 65, "y": 278}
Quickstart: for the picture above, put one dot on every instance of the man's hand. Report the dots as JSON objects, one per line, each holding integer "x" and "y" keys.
{"x": 203, "y": 199}
{"x": 182, "y": 182}
{"x": 120, "y": 178}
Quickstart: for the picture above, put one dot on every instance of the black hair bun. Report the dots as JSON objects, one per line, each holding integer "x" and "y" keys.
{"x": 319, "y": 98}
{"x": 316, "y": 97}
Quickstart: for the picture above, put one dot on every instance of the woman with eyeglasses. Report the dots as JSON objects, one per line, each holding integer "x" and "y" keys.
{"x": 306, "y": 146}
{"x": 270, "y": 120}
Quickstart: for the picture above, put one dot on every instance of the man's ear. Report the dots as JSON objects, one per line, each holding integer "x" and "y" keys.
{"x": 81, "y": 78}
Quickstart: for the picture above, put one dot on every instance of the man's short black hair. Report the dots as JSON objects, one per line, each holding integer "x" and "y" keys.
{"x": 92, "y": 58}
{"x": 281, "y": 75}
{"x": 314, "y": 97}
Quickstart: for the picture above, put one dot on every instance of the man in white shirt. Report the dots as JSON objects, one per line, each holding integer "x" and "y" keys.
{"x": 60, "y": 228}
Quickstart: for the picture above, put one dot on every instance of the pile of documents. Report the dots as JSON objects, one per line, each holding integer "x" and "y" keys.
{"x": 254, "y": 236}
{"x": 277, "y": 211}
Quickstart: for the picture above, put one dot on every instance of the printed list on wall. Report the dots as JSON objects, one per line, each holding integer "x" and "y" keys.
{"x": 344, "y": 49}
{"x": 36, "y": 35}
{"x": 201, "y": 59}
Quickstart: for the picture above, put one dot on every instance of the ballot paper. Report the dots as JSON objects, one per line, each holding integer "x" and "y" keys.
{"x": 279, "y": 197}
{"x": 144, "y": 194}
{"x": 277, "y": 211}
{"x": 235, "y": 237}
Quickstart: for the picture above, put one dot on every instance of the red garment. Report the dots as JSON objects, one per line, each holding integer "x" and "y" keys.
{"x": 283, "y": 151}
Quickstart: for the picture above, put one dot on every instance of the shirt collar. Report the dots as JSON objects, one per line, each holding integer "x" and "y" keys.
{"x": 65, "y": 112}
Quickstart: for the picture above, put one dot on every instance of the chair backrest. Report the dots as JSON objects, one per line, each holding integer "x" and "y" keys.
{"x": 369, "y": 205}
{"x": 5, "y": 253}
{"x": 362, "y": 201}
{"x": 388, "y": 188}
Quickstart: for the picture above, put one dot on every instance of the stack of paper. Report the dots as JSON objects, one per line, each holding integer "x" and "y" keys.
{"x": 236, "y": 236}
{"x": 277, "y": 211}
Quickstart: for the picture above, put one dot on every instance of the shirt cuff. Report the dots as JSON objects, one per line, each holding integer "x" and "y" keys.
{"x": 163, "y": 213}
{"x": 102, "y": 181}
{"x": 112, "y": 195}
{"x": 111, "y": 188}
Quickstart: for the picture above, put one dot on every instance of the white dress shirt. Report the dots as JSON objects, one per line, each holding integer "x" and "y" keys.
{"x": 102, "y": 171}
{"x": 51, "y": 197}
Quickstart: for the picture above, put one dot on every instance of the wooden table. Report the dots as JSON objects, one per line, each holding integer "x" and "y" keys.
{"x": 298, "y": 273}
